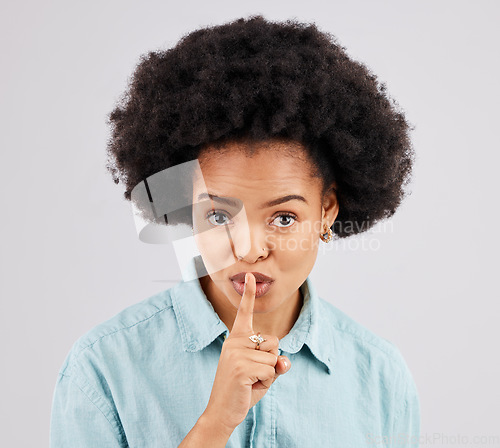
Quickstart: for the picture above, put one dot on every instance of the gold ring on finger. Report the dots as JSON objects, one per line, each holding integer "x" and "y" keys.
{"x": 257, "y": 338}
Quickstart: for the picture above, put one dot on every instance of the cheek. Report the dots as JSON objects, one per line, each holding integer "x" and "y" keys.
{"x": 215, "y": 249}
{"x": 213, "y": 242}
{"x": 298, "y": 248}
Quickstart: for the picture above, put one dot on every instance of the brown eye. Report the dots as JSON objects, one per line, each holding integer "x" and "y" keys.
{"x": 285, "y": 220}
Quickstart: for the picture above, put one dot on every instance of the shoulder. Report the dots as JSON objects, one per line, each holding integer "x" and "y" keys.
{"x": 366, "y": 362}
{"x": 132, "y": 324}
{"x": 365, "y": 348}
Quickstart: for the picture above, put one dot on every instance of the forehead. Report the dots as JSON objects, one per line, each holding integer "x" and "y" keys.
{"x": 261, "y": 170}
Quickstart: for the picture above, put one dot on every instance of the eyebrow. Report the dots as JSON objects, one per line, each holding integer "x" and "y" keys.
{"x": 271, "y": 203}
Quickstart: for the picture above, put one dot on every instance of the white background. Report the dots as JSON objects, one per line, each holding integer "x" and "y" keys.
{"x": 70, "y": 257}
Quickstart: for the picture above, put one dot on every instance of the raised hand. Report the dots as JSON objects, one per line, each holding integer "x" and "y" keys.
{"x": 244, "y": 374}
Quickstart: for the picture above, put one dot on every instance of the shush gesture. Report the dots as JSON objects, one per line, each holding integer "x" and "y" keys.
{"x": 246, "y": 369}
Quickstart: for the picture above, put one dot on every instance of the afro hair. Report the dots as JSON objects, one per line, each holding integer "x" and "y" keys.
{"x": 259, "y": 80}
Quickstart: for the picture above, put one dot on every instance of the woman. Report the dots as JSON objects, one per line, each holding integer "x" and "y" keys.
{"x": 293, "y": 142}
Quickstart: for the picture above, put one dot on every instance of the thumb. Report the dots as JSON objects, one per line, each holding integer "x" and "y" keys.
{"x": 283, "y": 365}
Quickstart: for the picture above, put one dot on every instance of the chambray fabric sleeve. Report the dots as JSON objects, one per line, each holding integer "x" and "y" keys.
{"x": 406, "y": 431}
{"x": 82, "y": 418}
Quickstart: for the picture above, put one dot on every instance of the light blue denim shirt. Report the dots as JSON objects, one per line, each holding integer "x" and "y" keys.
{"x": 143, "y": 378}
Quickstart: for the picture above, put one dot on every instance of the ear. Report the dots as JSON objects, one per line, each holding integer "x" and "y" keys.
{"x": 330, "y": 207}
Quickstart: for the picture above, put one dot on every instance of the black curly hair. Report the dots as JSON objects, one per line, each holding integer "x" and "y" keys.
{"x": 256, "y": 80}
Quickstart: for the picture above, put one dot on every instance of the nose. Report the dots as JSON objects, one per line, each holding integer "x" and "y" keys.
{"x": 251, "y": 245}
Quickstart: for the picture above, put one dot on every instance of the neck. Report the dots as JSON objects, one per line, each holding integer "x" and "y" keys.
{"x": 277, "y": 322}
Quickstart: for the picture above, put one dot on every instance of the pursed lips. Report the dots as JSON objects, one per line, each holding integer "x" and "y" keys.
{"x": 263, "y": 283}
{"x": 259, "y": 277}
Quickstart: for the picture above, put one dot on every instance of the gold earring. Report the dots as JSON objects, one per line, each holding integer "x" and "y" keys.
{"x": 327, "y": 236}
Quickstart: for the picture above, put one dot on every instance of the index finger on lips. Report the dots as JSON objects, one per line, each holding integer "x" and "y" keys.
{"x": 243, "y": 323}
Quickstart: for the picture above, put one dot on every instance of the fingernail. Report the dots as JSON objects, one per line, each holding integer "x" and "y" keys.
{"x": 246, "y": 278}
{"x": 285, "y": 363}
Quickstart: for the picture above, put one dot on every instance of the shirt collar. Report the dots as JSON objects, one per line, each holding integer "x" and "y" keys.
{"x": 200, "y": 325}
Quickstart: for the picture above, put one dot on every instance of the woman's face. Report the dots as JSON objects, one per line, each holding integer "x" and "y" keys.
{"x": 269, "y": 222}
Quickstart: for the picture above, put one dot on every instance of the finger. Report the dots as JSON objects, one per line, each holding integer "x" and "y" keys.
{"x": 282, "y": 366}
{"x": 264, "y": 374}
{"x": 257, "y": 356}
{"x": 243, "y": 323}
{"x": 270, "y": 343}
{"x": 266, "y": 383}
